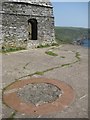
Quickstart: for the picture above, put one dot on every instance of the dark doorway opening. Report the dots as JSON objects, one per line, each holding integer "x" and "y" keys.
{"x": 32, "y": 29}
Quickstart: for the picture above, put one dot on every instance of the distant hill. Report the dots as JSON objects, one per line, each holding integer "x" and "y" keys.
{"x": 69, "y": 34}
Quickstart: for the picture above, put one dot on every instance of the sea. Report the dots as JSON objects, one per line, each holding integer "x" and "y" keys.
{"x": 86, "y": 43}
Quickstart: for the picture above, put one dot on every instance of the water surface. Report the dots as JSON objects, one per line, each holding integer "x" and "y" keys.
{"x": 86, "y": 43}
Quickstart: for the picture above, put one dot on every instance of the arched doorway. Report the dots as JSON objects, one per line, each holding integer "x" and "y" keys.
{"x": 32, "y": 29}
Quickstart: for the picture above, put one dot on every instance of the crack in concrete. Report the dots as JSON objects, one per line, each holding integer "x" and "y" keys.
{"x": 47, "y": 70}
{"x": 26, "y": 65}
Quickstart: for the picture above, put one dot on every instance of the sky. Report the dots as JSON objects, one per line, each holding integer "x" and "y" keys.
{"x": 71, "y": 14}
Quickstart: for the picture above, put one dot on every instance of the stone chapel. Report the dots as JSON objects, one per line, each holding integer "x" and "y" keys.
{"x": 27, "y": 23}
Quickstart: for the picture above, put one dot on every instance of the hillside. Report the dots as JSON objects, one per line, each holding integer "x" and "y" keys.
{"x": 69, "y": 34}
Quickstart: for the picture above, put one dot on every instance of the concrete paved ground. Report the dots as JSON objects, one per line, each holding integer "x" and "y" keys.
{"x": 70, "y": 66}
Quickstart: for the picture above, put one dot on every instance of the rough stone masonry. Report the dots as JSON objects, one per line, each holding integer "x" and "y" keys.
{"x": 27, "y": 23}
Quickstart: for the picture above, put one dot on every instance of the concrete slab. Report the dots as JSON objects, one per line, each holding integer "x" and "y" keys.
{"x": 24, "y": 63}
{"x": 7, "y": 112}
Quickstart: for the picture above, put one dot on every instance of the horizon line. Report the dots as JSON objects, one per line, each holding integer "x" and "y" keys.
{"x": 72, "y": 26}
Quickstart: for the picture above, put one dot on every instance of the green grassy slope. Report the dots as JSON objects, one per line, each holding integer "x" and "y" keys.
{"x": 68, "y": 34}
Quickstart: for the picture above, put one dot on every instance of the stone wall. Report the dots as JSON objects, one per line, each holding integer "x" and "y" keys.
{"x": 15, "y": 18}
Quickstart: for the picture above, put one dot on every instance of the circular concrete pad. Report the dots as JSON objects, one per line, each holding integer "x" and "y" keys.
{"x": 11, "y": 98}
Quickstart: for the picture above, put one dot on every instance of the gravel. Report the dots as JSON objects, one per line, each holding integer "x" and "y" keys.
{"x": 39, "y": 93}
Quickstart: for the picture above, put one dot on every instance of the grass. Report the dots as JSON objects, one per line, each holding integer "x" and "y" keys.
{"x": 43, "y": 46}
{"x": 54, "y": 44}
{"x": 51, "y": 53}
{"x": 77, "y": 55}
{"x": 39, "y": 73}
{"x": 64, "y": 65}
{"x": 62, "y": 56}
{"x": 12, "y": 116}
{"x": 12, "y": 49}
{"x": 47, "y": 45}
